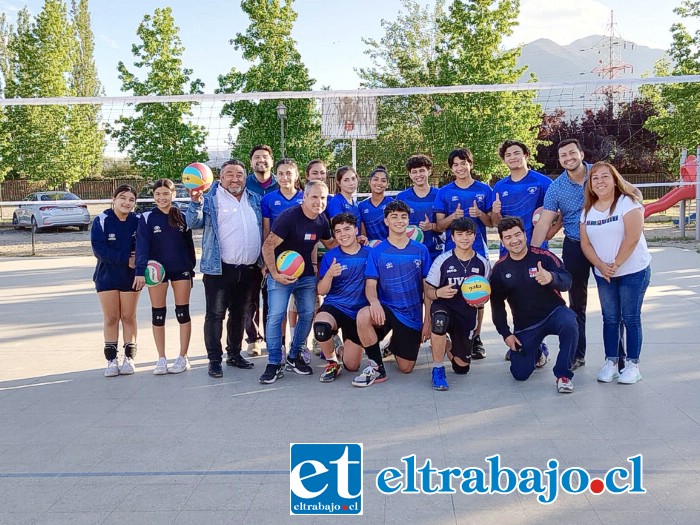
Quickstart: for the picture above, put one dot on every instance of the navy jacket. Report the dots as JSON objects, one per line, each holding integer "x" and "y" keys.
{"x": 112, "y": 243}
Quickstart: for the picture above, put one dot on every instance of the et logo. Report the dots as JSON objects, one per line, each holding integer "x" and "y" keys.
{"x": 325, "y": 478}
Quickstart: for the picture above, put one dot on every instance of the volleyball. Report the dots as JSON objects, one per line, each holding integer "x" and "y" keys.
{"x": 536, "y": 216}
{"x": 374, "y": 243}
{"x": 197, "y": 176}
{"x": 154, "y": 273}
{"x": 415, "y": 233}
{"x": 290, "y": 263}
{"x": 476, "y": 290}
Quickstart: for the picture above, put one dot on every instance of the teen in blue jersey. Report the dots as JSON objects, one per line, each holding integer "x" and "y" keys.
{"x": 288, "y": 195}
{"x": 372, "y": 209}
{"x": 420, "y": 198}
{"x": 342, "y": 281}
{"x": 113, "y": 237}
{"x": 521, "y": 192}
{"x": 163, "y": 236}
{"x": 396, "y": 269}
{"x": 449, "y": 312}
{"x": 466, "y": 197}
{"x": 346, "y": 183}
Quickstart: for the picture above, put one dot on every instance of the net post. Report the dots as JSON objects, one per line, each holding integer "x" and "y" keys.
{"x": 354, "y": 154}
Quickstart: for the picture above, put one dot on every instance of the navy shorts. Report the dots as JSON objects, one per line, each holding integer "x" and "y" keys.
{"x": 344, "y": 322}
{"x": 405, "y": 341}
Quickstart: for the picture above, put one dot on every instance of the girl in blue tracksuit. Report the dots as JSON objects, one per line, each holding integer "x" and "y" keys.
{"x": 113, "y": 239}
{"x": 163, "y": 236}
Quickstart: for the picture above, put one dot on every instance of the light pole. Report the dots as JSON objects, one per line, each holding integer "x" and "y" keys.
{"x": 282, "y": 115}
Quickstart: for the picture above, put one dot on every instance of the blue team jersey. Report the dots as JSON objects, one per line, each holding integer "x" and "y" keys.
{"x": 420, "y": 207}
{"x": 339, "y": 204}
{"x": 373, "y": 218}
{"x": 347, "y": 291}
{"x": 399, "y": 274}
{"x": 451, "y": 195}
{"x": 522, "y": 198}
{"x": 275, "y": 203}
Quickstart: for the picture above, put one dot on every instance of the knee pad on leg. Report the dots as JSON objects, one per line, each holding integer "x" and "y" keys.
{"x": 182, "y": 312}
{"x": 130, "y": 350}
{"x": 439, "y": 321}
{"x": 323, "y": 332}
{"x": 461, "y": 369}
{"x": 158, "y": 316}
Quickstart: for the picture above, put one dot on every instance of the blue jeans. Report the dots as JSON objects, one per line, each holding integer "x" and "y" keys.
{"x": 304, "y": 290}
{"x": 621, "y": 301}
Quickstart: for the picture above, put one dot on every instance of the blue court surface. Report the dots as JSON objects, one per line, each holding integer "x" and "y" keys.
{"x": 79, "y": 448}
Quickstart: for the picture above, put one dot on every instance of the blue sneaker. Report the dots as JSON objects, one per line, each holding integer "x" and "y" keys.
{"x": 439, "y": 379}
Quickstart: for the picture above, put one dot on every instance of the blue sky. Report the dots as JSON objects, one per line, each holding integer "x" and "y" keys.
{"x": 329, "y": 32}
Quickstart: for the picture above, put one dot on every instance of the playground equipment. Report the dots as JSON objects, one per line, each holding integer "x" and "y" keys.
{"x": 688, "y": 190}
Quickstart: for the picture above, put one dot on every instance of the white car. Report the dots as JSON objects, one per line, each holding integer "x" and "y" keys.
{"x": 46, "y": 211}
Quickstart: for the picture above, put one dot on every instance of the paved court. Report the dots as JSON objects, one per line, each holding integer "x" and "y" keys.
{"x": 79, "y": 448}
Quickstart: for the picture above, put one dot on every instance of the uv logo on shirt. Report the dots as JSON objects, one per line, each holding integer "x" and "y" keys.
{"x": 325, "y": 478}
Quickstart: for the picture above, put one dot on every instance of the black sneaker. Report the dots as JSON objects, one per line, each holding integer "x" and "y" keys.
{"x": 215, "y": 369}
{"x": 478, "y": 350}
{"x": 299, "y": 366}
{"x": 272, "y": 373}
{"x": 239, "y": 361}
{"x": 578, "y": 362}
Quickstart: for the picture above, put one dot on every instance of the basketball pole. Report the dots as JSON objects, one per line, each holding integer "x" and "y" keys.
{"x": 354, "y": 154}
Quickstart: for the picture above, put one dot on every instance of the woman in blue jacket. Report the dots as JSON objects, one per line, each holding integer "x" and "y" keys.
{"x": 113, "y": 239}
{"x": 163, "y": 235}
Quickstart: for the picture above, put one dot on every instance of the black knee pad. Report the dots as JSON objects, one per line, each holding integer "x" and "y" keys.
{"x": 460, "y": 369}
{"x": 182, "y": 312}
{"x": 158, "y": 316}
{"x": 110, "y": 351}
{"x": 439, "y": 321}
{"x": 323, "y": 331}
{"x": 130, "y": 350}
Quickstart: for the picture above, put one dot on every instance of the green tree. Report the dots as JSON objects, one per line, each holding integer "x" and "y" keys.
{"x": 85, "y": 138}
{"x": 678, "y": 104}
{"x": 159, "y": 139}
{"x": 276, "y": 65}
{"x": 37, "y": 63}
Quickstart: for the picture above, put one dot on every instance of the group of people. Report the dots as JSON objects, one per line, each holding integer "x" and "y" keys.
{"x": 373, "y": 277}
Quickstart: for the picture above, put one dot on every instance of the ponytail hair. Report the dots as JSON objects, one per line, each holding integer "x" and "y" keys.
{"x": 175, "y": 218}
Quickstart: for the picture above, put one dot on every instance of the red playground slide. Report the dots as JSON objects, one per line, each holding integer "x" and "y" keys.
{"x": 688, "y": 174}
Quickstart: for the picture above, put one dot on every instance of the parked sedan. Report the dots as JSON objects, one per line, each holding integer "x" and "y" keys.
{"x": 46, "y": 211}
{"x": 147, "y": 193}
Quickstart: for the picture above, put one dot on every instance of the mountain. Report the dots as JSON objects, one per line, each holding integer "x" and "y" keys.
{"x": 551, "y": 62}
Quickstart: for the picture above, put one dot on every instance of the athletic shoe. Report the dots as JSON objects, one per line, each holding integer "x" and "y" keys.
{"x": 507, "y": 356}
{"x": 440, "y": 379}
{"x": 254, "y": 349}
{"x": 315, "y": 347}
{"x": 180, "y": 365}
{"x": 565, "y": 385}
{"x": 127, "y": 367}
{"x": 215, "y": 369}
{"x": 299, "y": 366}
{"x": 239, "y": 361}
{"x": 337, "y": 343}
{"x": 161, "y": 367}
{"x": 578, "y": 363}
{"x": 608, "y": 372}
{"x": 305, "y": 355}
{"x": 478, "y": 350}
{"x": 370, "y": 375}
{"x": 384, "y": 347}
{"x": 112, "y": 368}
{"x": 332, "y": 371}
{"x": 630, "y": 374}
{"x": 544, "y": 356}
{"x": 272, "y": 373}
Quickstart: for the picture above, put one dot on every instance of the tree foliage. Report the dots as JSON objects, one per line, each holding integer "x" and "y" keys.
{"x": 159, "y": 139}
{"x": 676, "y": 122}
{"x": 276, "y": 65}
{"x": 461, "y": 46}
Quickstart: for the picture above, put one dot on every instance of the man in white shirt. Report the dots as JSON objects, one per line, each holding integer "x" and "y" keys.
{"x": 230, "y": 263}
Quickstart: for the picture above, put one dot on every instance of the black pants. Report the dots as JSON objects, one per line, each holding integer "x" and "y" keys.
{"x": 231, "y": 291}
{"x": 579, "y": 267}
{"x": 253, "y": 327}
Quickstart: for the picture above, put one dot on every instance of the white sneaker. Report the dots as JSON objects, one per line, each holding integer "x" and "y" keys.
{"x": 608, "y": 372}
{"x": 370, "y": 375}
{"x": 630, "y": 374}
{"x": 112, "y": 368}
{"x": 161, "y": 367}
{"x": 127, "y": 367}
{"x": 254, "y": 349}
{"x": 180, "y": 365}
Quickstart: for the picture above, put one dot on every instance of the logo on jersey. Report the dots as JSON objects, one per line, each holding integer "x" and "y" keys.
{"x": 455, "y": 198}
{"x": 365, "y": 211}
{"x": 475, "y": 270}
{"x": 111, "y": 237}
{"x": 532, "y": 190}
{"x": 277, "y": 203}
{"x": 508, "y": 276}
{"x": 451, "y": 269}
{"x": 309, "y": 236}
{"x": 504, "y": 194}
{"x": 389, "y": 266}
{"x": 417, "y": 262}
{"x": 156, "y": 229}
{"x": 325, "y": 478}
{"x": 480, "y": 197}
{"x": 532, "y": 272}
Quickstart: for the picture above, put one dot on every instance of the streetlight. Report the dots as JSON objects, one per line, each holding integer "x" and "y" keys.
{"x": 281, "y": 114}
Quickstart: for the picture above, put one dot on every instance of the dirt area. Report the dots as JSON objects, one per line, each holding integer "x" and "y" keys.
{"x": 659, "y": 231}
